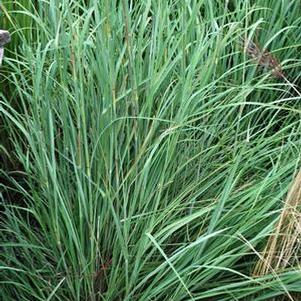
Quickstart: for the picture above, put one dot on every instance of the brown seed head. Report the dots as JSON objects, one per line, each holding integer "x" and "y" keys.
{"x": 263, "y": 58}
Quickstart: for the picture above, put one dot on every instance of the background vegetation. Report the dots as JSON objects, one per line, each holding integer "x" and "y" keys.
{"x": 145, "y": 156}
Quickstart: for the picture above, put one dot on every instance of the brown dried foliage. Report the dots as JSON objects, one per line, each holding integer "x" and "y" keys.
{"x": 283, "y": 247}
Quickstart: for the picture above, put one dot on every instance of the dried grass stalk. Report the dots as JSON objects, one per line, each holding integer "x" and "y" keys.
{"x": 283, "y": 246}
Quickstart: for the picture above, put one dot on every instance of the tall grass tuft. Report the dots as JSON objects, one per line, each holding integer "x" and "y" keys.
{"x": 150, "y": 156}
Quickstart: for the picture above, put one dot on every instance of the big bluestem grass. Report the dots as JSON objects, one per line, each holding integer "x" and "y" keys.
{"x": 150, "y": 156}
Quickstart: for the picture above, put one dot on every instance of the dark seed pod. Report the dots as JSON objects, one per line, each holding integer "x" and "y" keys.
{"x": 4, "y": 38}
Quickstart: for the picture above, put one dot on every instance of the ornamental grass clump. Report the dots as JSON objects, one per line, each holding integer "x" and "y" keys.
{"x": 143, "y": 154}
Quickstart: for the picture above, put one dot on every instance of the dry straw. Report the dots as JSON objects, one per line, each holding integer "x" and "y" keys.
{"x": 283, "y": 246}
